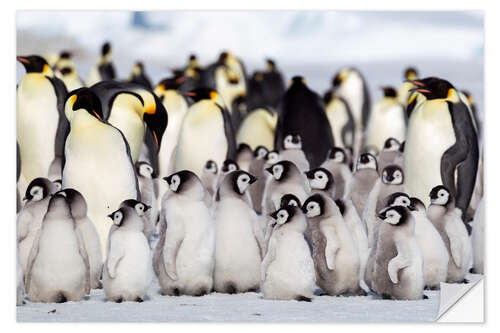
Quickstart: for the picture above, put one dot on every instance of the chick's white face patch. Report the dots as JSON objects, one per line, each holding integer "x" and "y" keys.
{"x": 392, "y": 217}
{"x": 313, "y": 209}
{"x": 319, "y": 181}
{"x": 289, "y": 144}
{"x": 339, "y": 157}
{"x": 282, "y": 217}
{"x": 117, "y": 218}
{"x": 37, "y": 193}
{"x": 277, "y": 171}
{"x": 145, "y": 170}
{"x": 175, "y": 181}
{"x": 401, "y": 201}
{"x": 442, "y": 198}
{"x": 243, "y": 182}
{"x": 140, "y": 209}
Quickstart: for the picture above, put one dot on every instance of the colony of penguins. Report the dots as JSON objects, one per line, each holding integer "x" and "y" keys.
{"x": 213, "y": 180}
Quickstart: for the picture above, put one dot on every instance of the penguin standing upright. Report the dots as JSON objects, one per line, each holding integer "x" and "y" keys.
{"x": 148, "y": 196}
{"x": 206, "y": 134}
{"x": 292, "y": 151}
{"x": 104, "y": 69}
{"x": 139, "y": 76}
{"x": 258, "y": 128}
{"x": 65, "y": 69}
{"x": 302, "y": 113}
{"x": 390, "y": 154}
{"x": 274, "y": 86}
{"x": 41, "y": 126}
{"x": 441, "y": 145}
{"x": 341, "y": 119}
{"x": 336, "y": 163}
{"x": 93, "y": 144}
{"x": 387, "y": 119}
{"x": 363, "y": 180}
{"x": 256, "y": 168}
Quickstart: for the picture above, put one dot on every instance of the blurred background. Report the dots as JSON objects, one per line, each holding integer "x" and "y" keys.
{"x": 314, "y": 44}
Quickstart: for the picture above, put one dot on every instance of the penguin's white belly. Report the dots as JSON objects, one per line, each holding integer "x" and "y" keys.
{"x": 338, "y": 118}
{"x": 430, "y": 134}
{"x": 352, "y": 92}
{"x": 37, "y": 120}
{"x": 386, "y": 121}
{"x": 199, "y": 142}
{"x": 132, "y": 127}
{"x": 257, "y": 129}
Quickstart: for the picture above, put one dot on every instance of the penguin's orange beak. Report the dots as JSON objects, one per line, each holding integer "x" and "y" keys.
{"x": 23, "y": 60}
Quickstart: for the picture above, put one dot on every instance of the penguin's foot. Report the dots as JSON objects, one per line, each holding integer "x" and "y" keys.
{"x": 472, "y": 271}
{"x": 200, "y": 292}
{"x": 385, "y": 296}
{"x": 119, "y": 300}
{"x": 231, "y": 288}
{"x": 465, "y": 281}
{"x": 139, "y": 300}
{"x": 61, "y": 298}
{"x": 253, "y": 290}
{"x": 301, "y": 298}
{"x": 425, "y": 297}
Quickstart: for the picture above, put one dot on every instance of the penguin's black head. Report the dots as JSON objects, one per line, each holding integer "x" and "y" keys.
{"x": 172, "y": 83}
{"x": 392, "y": 174}
{"x": 211, "y": 167}
{"x": 240, "y": 104}
{"x": 223, "y": 57}
{"x": 118, "y": 216}
{"x": 200, "y": 94}
{"x": 65, "y": 55}
{"x": 38, "y": 189}
{"x": 327, "y": 97}
{"x": 341, "y": 204}
{"x": 440, "y": 196}
{"x": 241, "y": 180}
{"x": 243, "y": 147}
{"x": 106, "y": 49}
{"x": 281, "y": 170}
{"x": 395, "y": 215}
{"x": 397, "y": 199}
{"x": 284, "y": 214}
{"x": 260, "y": 152}
{"x": 229, "y": 166}
{"x": 66, "y": 70}
{"x": 71, "y": 194}
{"x": 417, "y": 204}
{"x": 298, "y": 81}
{"x": 180, "y": 181}
{"x": 391, "y": 144}
{"x": 34, "y": 64}
{"x": 59, "y": 201}
{"x": 411, "y": 73}
{"x": 433, "y": 88}
{"x": 271, "y": 65}
{"x": 84, "y": 98}
{"x": 156, "y": 119}
{"x": 402, "y": 147}
{"x": 338, "y": 155}
{"x": 367, "y": 161}
{"x": 314, "y": 205}
{"x": 144, "y": 169}
{"x": 75, "y": 199}
{"x": 389, "y": 92}
{"x": 337, "y": 80}
{"x": 140, "y": 207}
{"x": 292, "y": 141}
{"x": 192, "y": 57}
{"x": 140, "y": 66}
{"x": 320, "y": 179}
{"x": 290, "y": 200}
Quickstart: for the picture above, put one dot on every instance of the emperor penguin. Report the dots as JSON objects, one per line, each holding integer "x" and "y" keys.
{"x": 398, "y": 270}
{"x": 364, "y": 178}
{"x": 29, "y": 218}
{"x": 258, "y": 128}
{"x": 209, "y": 177}
{"x": 104, "y": 69}
{"x": 475, "y": 114}
{"x": 441, "y": 145}
{"x": 41, "y": 126}
{"x": 387, "y": 120}
{"x": 404, "y": 92}
{"x": 128, "y": 270}
{"x": 389, "y": 154}
{"x": 337, "y": 163}
{"x": 341, "y": 119}
{"x": 274, "y": 86}
{"x": 256, "y": 92}
{"x": 446, "y": 218}
{"x": 244, "y": 157}
{"x": 256, "y": 168}
{"x": 335, "y": 255}
{"x": 434, "y": 253}
{"x": 350, "y": 85}
{"x": 65, "y": 69}
{"x": 142, "y": 210}
{"x": 285, "y": 178}
{"x": 139, "y": 76}
{"x": 287, "y": 271}
{"x": 90, "y": 238}
{"x": 148, "y": 196}
{"x": 93, "y": 144}
{"x": 185, "y": 254}
{"x": 206, "y": 134}
{"x": 478, "y": 239}
{"x": 58, "y": 266}
{"x": 292, "y": 151}
{"x": 302, "y": 112}
{"x": 238, "y": 236}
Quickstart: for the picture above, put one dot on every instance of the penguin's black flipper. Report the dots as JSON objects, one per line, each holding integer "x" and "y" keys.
{"x": 63, "y": 124}
{"x": 349, "y": 126}
{"x": 232, "y": 150}
{"x": 466, "y": 146}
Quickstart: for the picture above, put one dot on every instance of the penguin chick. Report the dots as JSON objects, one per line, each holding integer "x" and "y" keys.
{"x": 256, "y": 168}
{"x": 142, "y": 210}
{"x": 228, "y": 166}
{"x": 389, "y": 153}
{"x": 321, "y": 181}
{"x": 398, "y": 265}
{"x": 447, "y": 219}
{"x": 292, "y": 151}
{"x": 244, "y": 157}
{"x": 209, "y": 177}
{"x": 184, "y": 256}
{"x": 145, "y": 176}
{"x": 287, "y": 271}
{"x": 128, "y": 271}
{"x": 335, "y": 255}
{"x": 29, "y": 218}
{"x": 363, "y": 180}
{"x": 337, "y": 164}
{"x": 78, "y": 207}
{"x": 238, "y": 237}
{"x": 58, "y": 266}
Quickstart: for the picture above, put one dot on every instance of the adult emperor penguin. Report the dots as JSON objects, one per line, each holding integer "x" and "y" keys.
{"x": 90, "y": 238}
{"x": 292, "y": 151}
{"x": 128, "y": 270}
{"x": 335, "y": 255}
{"x": 104, "y": 69}
{"x": 341, "y": 120}
{"x": 389, "y": 154}
{"x": 302, "y": 113}
{"x": 185, "y": 255}
{"x": 258, "y": 128}
{"x": 93, "y": 144}
{"x": 206, "y": 133}
{"x": 58, "y": 271}
{"x": 287, "y": 271}
{"x": 139, "y": 76}
{"x": 441, "y": 145}
{"x": 446, "y": 218}
{"x": 65, "y": 69}
{"x": 40, "y": 123}
{"x": 29, "y": 219}
{"x": 238, "y": 236}
{"x": 404, "y": 92}
{"x": 350, "y": 85}
{"x": 398, "y": 266}
{"x": 364, "y": 178}
{"x": 434, "y": 252}
{"x": 336, "y": 163}
{"x": 274, "y": 86}
{"x": 256, "y": 168}
{"x": 387, "y": 119}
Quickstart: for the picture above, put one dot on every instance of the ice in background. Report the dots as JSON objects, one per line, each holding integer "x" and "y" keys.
{"x": 314, "y": 44}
